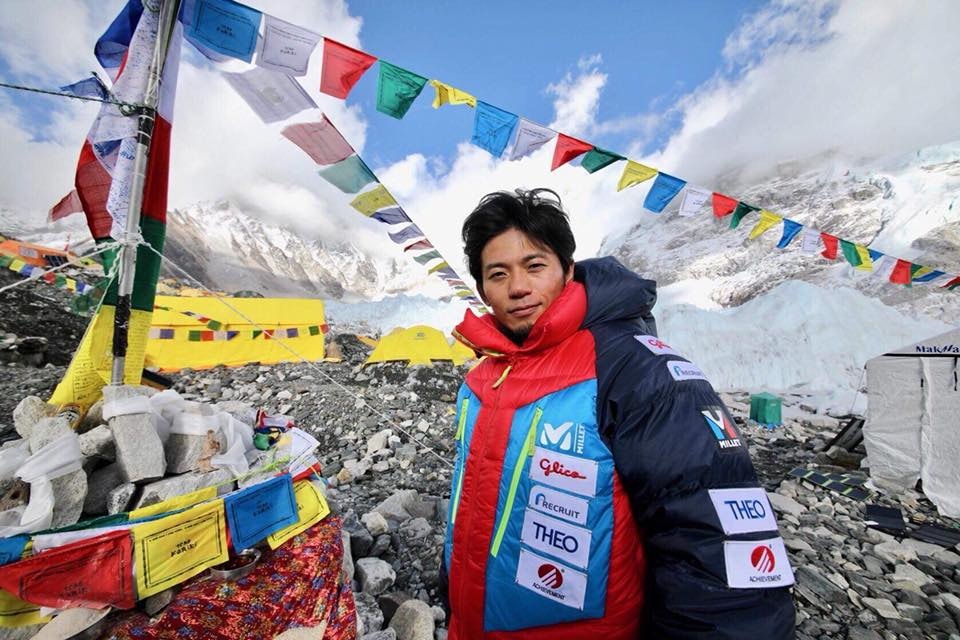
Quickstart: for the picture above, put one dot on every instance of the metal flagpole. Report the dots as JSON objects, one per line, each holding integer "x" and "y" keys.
{"x": 128, "y": 252}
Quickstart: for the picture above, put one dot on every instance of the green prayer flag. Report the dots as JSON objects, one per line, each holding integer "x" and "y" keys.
{"x": 850, "y": 253}
{"x": 5, "y": 261}
{"x": 424, "y": 258}
{"x": 194, "y": 336}
{"x": 314, "y": 330}
{"x": 397, "y": 89}
{"x": 740, "y": 213}
{"x": 256, "y": 333}
{"x": 348, "y": 175}
{"x": 597, "y": 159}
{"x": 60, "y": 281}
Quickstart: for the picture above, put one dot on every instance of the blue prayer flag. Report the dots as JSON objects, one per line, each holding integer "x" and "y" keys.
{"x": 256, "y": 512}
{"x": 350, "y": 175}
{"x": 12, "y": 548}
{"x": 226, "y": 27}
{"x": 393, "y": 215}
{"x": 874, "y": 254}
{"x": 91, "y": 87}
{"x": 407, "y": 233}
{"x": 112, "y": 46}
{"x": 664, "y": 189}
{"x": 492, "y": 128}
{"x": 790, "y": 231}
{"x": 927, "y": 277}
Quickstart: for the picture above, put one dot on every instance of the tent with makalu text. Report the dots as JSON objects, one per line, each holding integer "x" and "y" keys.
{"x": 912, "y": 430}
{"x": 204, "y": 332}
{"x": 418, "y": 345}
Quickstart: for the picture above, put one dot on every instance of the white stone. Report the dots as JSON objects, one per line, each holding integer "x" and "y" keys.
{"x": 413, "y": 621}
{"x": 375, "y": 523}
{"x": 375, "y": 575}
{"x": 922, "y": 549}
{"x": 894, "y": 552}
{"x": 378, "y": 441}
{"x": 883, "y": 608}
{"x": 28, "y": 412}
{"x": 784, "y": 504}
{"x": 909, "y": 573}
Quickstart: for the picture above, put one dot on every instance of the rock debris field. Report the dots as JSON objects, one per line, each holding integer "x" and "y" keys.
{"x": 386, "y": 446}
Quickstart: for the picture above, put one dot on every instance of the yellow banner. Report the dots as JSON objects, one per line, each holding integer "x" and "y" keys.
{"x": 89, "y": 370}
{"x": 438, "y": 266}
{"x": 634, "y": 173}
{"x": 450, "y": 95}
{"x": 173, "y": 549}
{"x": 866, "y": 262}
{"x": 175, "y": 503}
{"x": 14, "y": 612}
{"x": 369, "y": 202}
{"x": 16, "y": 264}
{"x": 767, "y": 220}
{"x": 311, "y": 508}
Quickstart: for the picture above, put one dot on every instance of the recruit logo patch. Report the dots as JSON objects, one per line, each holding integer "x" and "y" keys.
{"x": 680, "y": 370}
{"x": 722, "y": 428}
{"x": 759, "y": 564}
{"x": 559, "y": 504}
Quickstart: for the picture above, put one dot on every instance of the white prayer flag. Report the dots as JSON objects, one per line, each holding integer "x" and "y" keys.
{"x": 693, "y": 200}
{"x": 272, "y": 96}
{"x": 285, "y": 47}
{"x": 118, "y": 199}
{"x": 810, "y": 242}
{"x": 883, "y": 267}
{"x": 529, "y": 137}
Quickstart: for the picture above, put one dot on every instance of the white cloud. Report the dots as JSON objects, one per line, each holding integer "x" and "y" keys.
{"x": 577, "y": 98}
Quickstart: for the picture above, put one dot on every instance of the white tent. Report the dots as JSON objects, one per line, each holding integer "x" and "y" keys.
{"x": 912, "y": 428}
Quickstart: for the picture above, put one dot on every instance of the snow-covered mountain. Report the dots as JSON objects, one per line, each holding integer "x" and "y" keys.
{"x": 229, "y": 250}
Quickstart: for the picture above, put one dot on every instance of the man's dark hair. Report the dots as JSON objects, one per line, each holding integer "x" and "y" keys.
{"x": 537, "y": 213}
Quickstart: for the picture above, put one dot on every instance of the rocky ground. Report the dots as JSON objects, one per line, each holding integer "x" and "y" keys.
{"x": 386, "y": 449}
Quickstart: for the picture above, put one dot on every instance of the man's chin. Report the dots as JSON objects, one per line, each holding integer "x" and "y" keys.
{"x": 517, "y": 334}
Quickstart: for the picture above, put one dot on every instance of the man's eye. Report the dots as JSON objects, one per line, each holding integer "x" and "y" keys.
{"x": 496, "y": 275}
{"x": 536, "y": 266}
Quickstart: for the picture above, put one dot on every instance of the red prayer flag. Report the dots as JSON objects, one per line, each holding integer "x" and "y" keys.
{"x": 953, "y": 284}
{"x": 68, "y": 205}
{"x": 832, "y": 244}
{"x": 723, "y": 205}
{"x": 319, "y": 140}
{"x": 419, "y": 244}
{"x": 95, "y": 573}
{"x": 342, "y": 68}
{"x": 901, "y": 272}
{"x": 567, "y": 149}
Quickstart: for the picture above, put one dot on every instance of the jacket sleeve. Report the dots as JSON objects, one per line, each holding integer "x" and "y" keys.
{"x": 670, "y": 458}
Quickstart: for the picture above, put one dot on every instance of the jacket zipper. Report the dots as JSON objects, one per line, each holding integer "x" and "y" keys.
{"x": 525, "y": 451}
{"x": 461, "y": 428}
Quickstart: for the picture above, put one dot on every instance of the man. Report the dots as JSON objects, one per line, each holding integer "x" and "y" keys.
{"x": 600, "y": 489}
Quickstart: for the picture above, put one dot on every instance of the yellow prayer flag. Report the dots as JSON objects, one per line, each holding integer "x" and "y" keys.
{"x": 438, "y": 266}
{"x": 14, "y": 612}
{"x": 16, "y": 264}
{"x": 634, "y": 173}
{"x": 174, "y": 504}
{"x": 767, "y": 220}
{"x": 866, "y": 262}
{"x": 173, "y": 549}
{"x": 450, "y": 95}
{"x": 369, "y": 202}
{"x": 311, "y": 508}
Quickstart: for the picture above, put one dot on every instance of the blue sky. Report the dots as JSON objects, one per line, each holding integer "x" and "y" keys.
{"x": 506, "y": 53}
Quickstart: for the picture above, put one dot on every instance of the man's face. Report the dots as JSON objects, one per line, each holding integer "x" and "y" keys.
{"x": 521, "y": 278}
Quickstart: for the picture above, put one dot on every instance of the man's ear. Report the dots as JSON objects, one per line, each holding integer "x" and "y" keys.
{"x": 569, "y": 275}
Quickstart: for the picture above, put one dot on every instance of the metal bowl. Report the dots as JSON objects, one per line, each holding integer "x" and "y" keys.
{"x": 236, "y": 568}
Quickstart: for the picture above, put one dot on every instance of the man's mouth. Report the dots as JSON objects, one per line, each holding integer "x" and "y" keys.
{"x": 523, "y": 312}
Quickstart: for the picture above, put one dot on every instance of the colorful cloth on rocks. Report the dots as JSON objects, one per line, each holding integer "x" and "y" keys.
{"x": 300, "y": 584}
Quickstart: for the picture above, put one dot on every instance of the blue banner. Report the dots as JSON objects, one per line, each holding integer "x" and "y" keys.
{"x": 256, "y": 512}
{"x": 664, "y": 189}
{"x": 393, "y": 215}
{"x": 112, "y": 46}
{"x": 790, "y": 231}
{"x": 350, "y": 175}
{"x": 407, "y": 233}
{"x": 492, "y": 128}
{"x": 12, "y": 548}
{"x": 227, "y": 27}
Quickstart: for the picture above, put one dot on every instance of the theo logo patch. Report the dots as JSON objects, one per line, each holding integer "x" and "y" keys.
{"x": 656, "y": 345}
{"x": 568, "y": 436}
{"x": 759, "y": 564}
{"x": 557, "y": 538}
{"x": 680, "y": 370}
{"x": 721, "y": 427}
{"x": 743, "y": 510}
{"x": 552, "y": 580}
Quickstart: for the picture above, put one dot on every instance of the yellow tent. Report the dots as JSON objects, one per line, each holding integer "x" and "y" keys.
{"x": 203, "y": 332}
{"x": 418, "y": 345}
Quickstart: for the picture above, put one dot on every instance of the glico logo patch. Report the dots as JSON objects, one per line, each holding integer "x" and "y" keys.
{"x": 721, "y": 427}
{"x": 656, "y": 345}
{"x": 565, "y": 437}
{"x": 550, "y": 576}
{"x": 762, "y": 559}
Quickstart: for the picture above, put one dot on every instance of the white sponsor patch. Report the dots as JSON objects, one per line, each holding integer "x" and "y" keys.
{"x": 559, "y": 504}
{"x": 680, "y": 370}
{"x": 743, "y": 510}
{"x": 552, "y": 580}
{"x": 560, "y": 539}
{"x": 656, "y": 345}
{"x": 759, "y": 564}
{"x": 569, "y": 473}
{"x": 568, "y": 436}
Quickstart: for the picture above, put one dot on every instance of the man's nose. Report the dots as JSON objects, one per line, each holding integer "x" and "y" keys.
{"x": 519, "y": 285}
